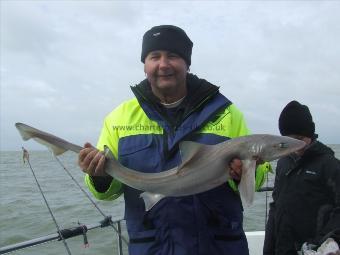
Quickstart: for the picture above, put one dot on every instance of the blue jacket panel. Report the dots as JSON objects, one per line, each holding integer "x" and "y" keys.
{"x": 205, "y": 223}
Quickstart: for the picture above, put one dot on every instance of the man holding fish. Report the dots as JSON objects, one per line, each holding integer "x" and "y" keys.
{"x": 171, "y": 106}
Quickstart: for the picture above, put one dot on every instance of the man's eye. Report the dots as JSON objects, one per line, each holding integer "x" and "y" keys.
{"x": 153, "y": 57}
{"x": 173, "y": 56}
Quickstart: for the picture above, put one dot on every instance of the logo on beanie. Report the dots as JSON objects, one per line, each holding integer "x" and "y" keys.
{"x": 156, "y": 34}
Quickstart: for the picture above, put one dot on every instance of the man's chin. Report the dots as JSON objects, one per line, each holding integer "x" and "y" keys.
{"x": 166, "y": 85}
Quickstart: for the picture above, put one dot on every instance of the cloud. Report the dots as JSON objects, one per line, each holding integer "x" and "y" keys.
{"x": 66, "y": 64}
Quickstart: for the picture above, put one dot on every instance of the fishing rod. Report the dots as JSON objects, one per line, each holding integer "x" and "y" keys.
{"x": 26, "y": 156}
{"x": 92, "y": 201}
{"x": 60, "y": 235}
{"x": 26, "y": 133}
{"x": 63, "y": 234}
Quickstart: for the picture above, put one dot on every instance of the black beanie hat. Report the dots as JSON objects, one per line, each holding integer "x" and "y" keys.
{"x": 296, "y": 119}
{"x": 167, "y": 37}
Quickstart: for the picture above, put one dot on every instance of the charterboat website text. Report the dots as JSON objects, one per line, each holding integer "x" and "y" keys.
{"x": 141, "y": 127}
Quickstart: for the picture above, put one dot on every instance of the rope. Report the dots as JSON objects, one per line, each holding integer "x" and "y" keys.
{"x": 91, "y": 200}
{"x": 26, "y": 156}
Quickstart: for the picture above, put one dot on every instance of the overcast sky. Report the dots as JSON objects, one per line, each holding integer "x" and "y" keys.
{"x": 66, "y": 64}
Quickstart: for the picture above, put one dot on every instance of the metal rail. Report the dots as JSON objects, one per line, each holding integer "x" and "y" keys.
{"x": 66, "y": 233}
{"x": 79, "y": 230}
{"x": 263, "y": 189}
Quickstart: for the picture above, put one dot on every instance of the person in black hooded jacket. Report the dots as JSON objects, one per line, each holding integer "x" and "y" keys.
{"x": 306, "y": 196}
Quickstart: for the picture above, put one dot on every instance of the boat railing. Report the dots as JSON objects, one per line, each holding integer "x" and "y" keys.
{"x": 69, "y": 233}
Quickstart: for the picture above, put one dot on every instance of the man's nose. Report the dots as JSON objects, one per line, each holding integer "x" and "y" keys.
{"x": 164, "y": 62}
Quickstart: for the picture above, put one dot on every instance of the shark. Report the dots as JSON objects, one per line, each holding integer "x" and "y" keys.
{"x": 202, "y": 167}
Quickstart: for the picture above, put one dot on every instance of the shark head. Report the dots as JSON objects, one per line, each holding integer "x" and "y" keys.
{"x": 274, "y": 147}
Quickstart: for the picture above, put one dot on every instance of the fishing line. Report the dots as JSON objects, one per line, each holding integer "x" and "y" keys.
{"x": 266, "y": 216}
{"x": 91, "y": 200}
{"x": 49, "y": 209}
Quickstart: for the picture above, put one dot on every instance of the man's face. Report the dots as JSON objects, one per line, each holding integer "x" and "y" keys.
{"x": 166, "y": 72}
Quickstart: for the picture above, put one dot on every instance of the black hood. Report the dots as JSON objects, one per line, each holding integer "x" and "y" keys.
{"x": 316, "y": 149}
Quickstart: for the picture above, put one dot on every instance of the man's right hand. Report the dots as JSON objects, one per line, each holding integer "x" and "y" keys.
{"x": 235, "y": 166}
{"x": 92, "y": 161}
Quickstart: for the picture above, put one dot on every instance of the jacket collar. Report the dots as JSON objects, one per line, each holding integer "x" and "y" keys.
{"x": 202, "y": 102}
{"x": 199, "y": 91}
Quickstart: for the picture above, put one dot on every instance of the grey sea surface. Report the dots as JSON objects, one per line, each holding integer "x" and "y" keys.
{"x": 24, "y": 215}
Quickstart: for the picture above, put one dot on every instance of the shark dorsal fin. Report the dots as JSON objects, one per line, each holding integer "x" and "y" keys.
{"x": 189, "y": 150}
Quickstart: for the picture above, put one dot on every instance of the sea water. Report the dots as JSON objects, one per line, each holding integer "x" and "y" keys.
{"x": 24, "y": 214}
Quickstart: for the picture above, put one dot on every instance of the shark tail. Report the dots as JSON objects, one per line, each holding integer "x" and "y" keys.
{"x": 55, "y": 144}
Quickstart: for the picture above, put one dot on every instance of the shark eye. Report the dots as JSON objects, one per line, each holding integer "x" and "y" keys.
{"x": 283, "y": 145}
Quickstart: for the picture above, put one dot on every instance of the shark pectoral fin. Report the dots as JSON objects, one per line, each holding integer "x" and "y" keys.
{"x": 247, "y": 183}
{"x": 150, "y": 199}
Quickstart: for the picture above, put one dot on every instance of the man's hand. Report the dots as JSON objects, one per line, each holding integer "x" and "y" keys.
{"x": 334, "y": 253}
{"x": 235, "y": 166}
{"x": 91, "y": 161}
